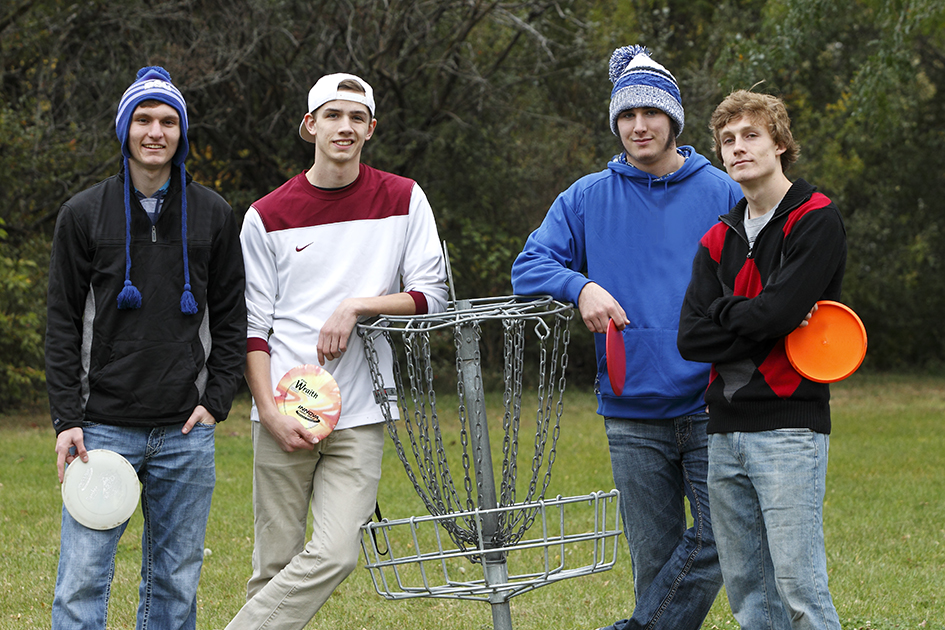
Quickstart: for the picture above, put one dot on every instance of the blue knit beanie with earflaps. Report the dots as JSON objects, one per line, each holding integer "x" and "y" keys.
{"x": 153, "y": 83}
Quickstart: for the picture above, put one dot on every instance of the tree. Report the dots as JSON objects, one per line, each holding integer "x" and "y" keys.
{"x": 457, "y": 82}
{"x": 494, "y": 106}
{"x": 862, "y": 89}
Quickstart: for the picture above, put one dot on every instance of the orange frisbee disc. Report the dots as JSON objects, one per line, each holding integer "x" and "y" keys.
{"x": 832, "y": 345}
{"x": 310, "y": 394}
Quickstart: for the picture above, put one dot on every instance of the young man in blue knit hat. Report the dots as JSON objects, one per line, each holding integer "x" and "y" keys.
{"x": 758, "y": 275}
{"x": 145, "y": 348}
{"x": 619, "y": 243}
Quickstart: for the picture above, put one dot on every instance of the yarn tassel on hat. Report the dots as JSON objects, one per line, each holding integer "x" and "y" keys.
{"x": 188, "y": 303}
{"x": 130, "y": 297}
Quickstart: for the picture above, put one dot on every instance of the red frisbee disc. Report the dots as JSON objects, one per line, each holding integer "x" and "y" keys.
{"x": 616, "y": 358}
{"x": 832, "y": 345}
{"x": 311, "y": 395}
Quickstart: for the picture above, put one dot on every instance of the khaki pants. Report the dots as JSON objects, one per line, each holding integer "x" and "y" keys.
{"x": 291, "y": 579}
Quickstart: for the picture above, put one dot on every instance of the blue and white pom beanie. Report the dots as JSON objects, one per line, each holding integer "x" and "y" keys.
{"x": 641, "y": 82}
{"x": 153, "y": 83}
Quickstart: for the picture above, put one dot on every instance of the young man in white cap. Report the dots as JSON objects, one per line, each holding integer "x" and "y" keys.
{"x": 619, "y": 243}
{"x": 336, "y": 243}
{"x": 757, "y": 276}
{"x": 144, "y": 353}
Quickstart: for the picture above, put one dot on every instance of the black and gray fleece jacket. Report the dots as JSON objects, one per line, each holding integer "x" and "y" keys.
{"x": 149, "y": 366}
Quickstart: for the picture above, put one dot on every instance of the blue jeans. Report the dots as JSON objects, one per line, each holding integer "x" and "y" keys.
{"x": 767, "y": 493}
{"x": 657, "y": 464}
{"x": 177, "y": 474}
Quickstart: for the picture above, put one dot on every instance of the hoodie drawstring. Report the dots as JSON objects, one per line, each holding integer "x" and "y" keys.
{"x": 130, "y": 297}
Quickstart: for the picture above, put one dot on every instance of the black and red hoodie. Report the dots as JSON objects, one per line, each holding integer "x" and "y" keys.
{"x": 742, "y": 301}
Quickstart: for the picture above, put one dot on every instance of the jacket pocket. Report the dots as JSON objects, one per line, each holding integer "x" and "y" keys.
{"x": 144, "y": 380}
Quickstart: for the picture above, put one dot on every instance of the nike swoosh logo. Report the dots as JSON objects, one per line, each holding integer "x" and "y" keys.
{"x": 298, "y": 249}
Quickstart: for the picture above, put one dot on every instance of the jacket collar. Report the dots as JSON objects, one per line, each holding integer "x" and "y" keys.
{"x": 798, "y": 194}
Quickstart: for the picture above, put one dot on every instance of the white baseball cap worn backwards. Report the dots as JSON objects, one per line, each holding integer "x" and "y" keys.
{"x": 326, "y": 89}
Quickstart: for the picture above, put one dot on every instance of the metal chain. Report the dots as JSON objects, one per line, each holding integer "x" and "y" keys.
{"x": 561, "y": 332}
{"x": 421, "y": 423}
{"x": 374, "y": 364}
{"x": 479, "y": 407}
{"x": 472, "y": 532}
{"x": 514, "y": 370}
{"x": 513, "y": 351}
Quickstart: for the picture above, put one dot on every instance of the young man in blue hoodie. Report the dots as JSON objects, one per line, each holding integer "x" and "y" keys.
{"x": 619, "y": 243}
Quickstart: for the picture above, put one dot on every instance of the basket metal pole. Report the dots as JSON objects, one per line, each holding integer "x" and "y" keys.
{"x": 494, "y": 565}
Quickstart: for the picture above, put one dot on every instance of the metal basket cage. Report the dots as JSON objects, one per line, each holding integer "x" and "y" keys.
{"x": 570, "y": 537}
{"x": 480, "y": 514}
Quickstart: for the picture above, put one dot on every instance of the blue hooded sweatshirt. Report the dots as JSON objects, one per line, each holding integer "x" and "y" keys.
{"x": 635, "y": 236}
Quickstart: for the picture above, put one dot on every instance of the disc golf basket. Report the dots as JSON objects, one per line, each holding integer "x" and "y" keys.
{"x": 472, "y": 522}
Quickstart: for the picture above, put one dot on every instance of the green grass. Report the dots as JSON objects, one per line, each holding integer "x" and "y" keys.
{"x": 884, "y": 513}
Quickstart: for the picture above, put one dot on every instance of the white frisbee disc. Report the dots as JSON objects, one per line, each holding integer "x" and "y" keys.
{"x": 102, "y": 493}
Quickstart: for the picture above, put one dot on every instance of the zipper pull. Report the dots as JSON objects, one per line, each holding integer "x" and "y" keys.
{"x": 154, "y": 234}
